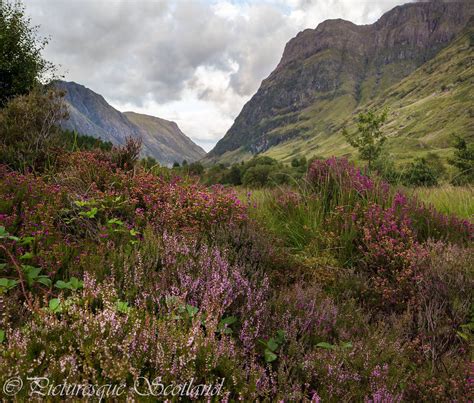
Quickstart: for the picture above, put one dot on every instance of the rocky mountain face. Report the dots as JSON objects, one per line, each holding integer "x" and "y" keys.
{"x": 89, "y": 113}
{"x": 326, "y": 73}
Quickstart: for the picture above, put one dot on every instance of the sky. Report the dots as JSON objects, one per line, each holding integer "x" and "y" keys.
{"x": 195, "y": 62}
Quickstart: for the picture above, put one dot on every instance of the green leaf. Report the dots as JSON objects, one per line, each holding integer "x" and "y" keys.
{"x": 2, "y": 265}
{"x": 27, "y": 255}
{"x": 55, "y": 305}
{"x": 463, "y": 336}
{"x": 134, "y": 232}
{"x": 2, "y": 336}
{"x": 230, "y": 320}
{"x": 89, "y": 214}
{"x": 4, "y": 234}
{"x": 31, "y": 273}
{"x": 115, "y": 221}
{"x": 325, "y": 345}
{"x": 192, "y": 310}
{"x": 347, "y": 344}
{"x": 272, "y": 344}
{"x": 122, "y": 306}
{"x": 27, "y": 240}
{"x": 76, "y": 283}
{"x": 280, "y": 337}
{"x": 269, "y": 355}
{"x": 80, "y": 203}
{"x": 7, "y": 284}
{"x": 45, "y": 280}
{"x": 61, "y": 284}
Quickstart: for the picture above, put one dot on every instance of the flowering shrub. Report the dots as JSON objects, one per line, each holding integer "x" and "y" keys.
{"x": 347, "y": 291}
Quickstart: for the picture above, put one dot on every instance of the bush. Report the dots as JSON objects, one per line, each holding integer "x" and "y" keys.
{"x": 463, "y": 161}
{"x": 29, "y": 130}
{"x": 420, "y": 173}
{"x": 257, "y": 176}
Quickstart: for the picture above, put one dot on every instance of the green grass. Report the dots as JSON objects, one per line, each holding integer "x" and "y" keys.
{"x": 449, "y": 199}
{"x": 296, "y": 226}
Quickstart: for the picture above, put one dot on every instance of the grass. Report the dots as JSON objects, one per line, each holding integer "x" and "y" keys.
{"x": 449, "y": 199}
{"x": 297, "y": 226}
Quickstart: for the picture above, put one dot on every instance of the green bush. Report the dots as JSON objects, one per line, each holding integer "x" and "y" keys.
{"x": 463, "y": 161}
{"x": 257, "y": 176}
{"x": 29, "y": 130}
{"x": 420, "y": 173}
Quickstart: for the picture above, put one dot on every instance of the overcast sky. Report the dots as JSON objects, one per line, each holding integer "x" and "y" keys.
{"x": 194, "y": 62}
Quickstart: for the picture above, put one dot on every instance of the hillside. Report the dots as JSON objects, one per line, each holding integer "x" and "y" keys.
{"x": 329, "y": 73}
{"x": 89, "y": 113}
{"x": 166, "y": 137}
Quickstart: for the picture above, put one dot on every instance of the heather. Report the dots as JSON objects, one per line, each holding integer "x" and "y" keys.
{"x": 339, "y": 289}
{"x": 326, "y": 282}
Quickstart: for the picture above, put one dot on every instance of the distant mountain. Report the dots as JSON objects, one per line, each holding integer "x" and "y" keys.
{"x": 328, "y": 74}
{"x": 89, "y": 113}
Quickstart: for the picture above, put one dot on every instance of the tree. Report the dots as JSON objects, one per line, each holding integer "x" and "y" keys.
{"x": 234, "y": 176}
{"x": 21, "y": 65}
{"x": 195, "y": 168}
{"x": 463, "y": 160}
{"x": 257, "y": 176}
{"x": 369, "y": 139}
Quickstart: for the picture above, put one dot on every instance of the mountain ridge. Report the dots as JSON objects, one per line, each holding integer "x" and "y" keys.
{"x": 91, "y": 114}
{"x": 337, "y": 67}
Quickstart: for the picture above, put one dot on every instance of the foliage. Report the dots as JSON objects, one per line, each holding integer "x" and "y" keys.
{"x": 339, "y": 293}
{"x": 420, "y": 173}
{"x": 29, "y": 132}
{"x": 463, "y": 161}
{"x": 21, "y": 66}
{"x": 369, "y": 138}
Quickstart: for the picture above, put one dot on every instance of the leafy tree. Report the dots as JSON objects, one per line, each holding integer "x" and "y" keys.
{"x": 176, "y": 164}
{"x": 369, "y": 138}
{"x": 463, "y": 160}
{"x": 21, "y": 65}
{"x": 195, "y": 168}
{"x": 257, "y": 176}
{"x": 234, "y": 176}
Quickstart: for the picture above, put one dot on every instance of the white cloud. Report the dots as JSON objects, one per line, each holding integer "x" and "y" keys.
{"x": 191, "y": 61}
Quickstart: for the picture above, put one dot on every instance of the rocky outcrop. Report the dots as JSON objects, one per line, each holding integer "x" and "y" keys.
{"x": 340, "y": 64}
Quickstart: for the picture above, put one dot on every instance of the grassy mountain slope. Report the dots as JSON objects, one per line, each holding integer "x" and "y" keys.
{"x": 329, "y": 74}
{"x": 425, "y": 110}
{"x": 89, "y": 113}
{"x": 166, "y": 137}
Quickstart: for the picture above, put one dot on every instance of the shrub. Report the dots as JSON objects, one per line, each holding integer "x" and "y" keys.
{"x": 463, "y": 161}
{"x": 29, "y": 130}
{"x": 420, "y": 173}
{"x": 256, "y": 176}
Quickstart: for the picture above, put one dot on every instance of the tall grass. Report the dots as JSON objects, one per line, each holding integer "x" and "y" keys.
{"x": 448, "y": 199}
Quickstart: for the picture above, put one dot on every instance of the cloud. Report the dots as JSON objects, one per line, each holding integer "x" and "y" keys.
{"x": 192, "y": 61}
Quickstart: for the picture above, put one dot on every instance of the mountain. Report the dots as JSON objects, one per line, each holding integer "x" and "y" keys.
{"x": 167, "y": 138}
{"x": 329, "y": 73}
{"x": 89, "y": 113}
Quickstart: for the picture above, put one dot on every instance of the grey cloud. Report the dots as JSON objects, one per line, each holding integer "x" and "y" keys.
{"x": 143, "y": 51}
